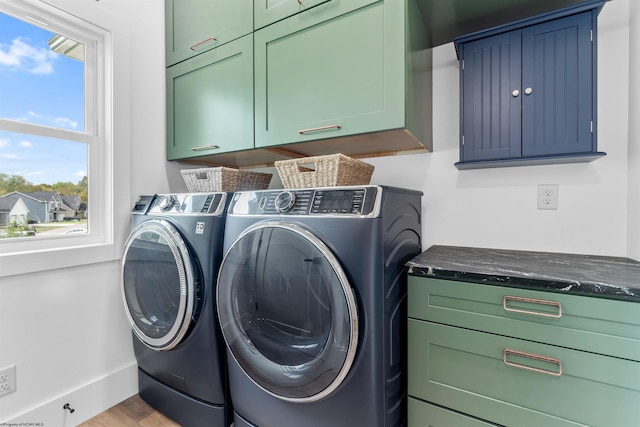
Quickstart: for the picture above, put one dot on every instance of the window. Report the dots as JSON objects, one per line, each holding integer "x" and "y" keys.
{"x": 57, "y": 129}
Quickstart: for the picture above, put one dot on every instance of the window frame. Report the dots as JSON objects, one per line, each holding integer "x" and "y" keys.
{"x": 106, "y": 120}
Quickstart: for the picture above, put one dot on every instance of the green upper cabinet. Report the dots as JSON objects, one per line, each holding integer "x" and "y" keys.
{"x": 195, "y": 26}
{"x": 269, "y": 11}
{"x": 344, "y": 68}
{"x": 528, "y": 91}
{"x": 210, "y": 102}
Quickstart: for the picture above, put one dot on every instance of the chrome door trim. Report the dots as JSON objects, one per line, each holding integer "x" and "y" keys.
{"x": 187, "y": 286}
{"x": 346, "y": 290}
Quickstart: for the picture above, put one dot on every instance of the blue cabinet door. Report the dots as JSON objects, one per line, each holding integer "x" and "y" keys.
{"x": 528, "y": 91}
{"x": 490, "y": 107}
{"x": 557, "y": 82}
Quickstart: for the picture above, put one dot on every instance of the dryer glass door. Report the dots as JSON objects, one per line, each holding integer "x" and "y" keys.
{"x": 287, "y": 311}
{"x": 158, "y": 284}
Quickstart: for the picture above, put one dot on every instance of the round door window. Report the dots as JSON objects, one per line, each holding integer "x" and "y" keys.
{"x": 287, "y": 311}
{"x": 158, "y": 284}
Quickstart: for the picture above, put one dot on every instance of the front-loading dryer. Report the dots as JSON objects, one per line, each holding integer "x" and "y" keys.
{"x": 169, "y": 271}
{"x": 312, "y": 305}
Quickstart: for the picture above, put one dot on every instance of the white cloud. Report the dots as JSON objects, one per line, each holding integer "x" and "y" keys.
{"x": 9, "y": 156}
{"x": 23, "y": 56}
{"x": 25, "y": 144}
{"x": 4, "y": 143}
{"x": 81, "y": 174}
{"x": 65, "y": 122}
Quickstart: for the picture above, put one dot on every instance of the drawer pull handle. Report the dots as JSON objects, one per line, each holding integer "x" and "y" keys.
{"x": 321, "y": 128}
{"x": 194, "y": 46}
{"x": 508, "y": 298}
{"x": 553, "y": 360}
{"x": 205, "y": 147}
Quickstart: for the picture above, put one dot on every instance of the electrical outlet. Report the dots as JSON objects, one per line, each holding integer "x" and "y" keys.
{"x": 548, "y": 196}
{"x": 7, "y": 380}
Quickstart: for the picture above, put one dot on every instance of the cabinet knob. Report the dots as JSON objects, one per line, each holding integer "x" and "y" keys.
{"x": 528, "y": 91}
{"x": 515, "y": 93}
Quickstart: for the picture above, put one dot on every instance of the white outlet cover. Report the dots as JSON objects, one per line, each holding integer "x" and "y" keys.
{"x": 548, "y": 196}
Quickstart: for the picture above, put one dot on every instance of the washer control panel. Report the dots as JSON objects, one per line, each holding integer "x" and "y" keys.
{"x": 320, "y": 201}
{"x": 181, "y": 204}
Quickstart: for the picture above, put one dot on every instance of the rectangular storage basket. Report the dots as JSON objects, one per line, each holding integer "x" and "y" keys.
{"x": 224, "y": 179}
{"x": 326, "y": 171}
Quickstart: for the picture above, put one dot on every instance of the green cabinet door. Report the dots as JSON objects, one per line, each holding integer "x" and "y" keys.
{"x": 335, "y": 70}
{"x": 267, "y": 12}
{"x": 195, "y": 26}
{"x": 210, "y": 102}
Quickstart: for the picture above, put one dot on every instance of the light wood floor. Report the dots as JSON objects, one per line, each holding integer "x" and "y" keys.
{"x": 132, "y": 412}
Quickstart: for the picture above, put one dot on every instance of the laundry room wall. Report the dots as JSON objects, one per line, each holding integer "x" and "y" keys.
{"x": 497, "y": 208}
{"x": 65, "y": 329}
{"x": 634, "y": 131}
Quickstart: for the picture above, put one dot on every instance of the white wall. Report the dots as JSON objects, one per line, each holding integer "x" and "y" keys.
{"x": 634, "y": 132}
{"x": 66, "y": 331}
{"x": 497, "y": 208}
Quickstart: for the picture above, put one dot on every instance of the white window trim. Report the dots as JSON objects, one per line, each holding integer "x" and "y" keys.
{"x": 107, "y": 135}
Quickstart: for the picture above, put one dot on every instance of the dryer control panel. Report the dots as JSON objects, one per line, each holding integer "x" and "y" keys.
{"x": 182, "y": 204}
{"x": 360, "y": 201}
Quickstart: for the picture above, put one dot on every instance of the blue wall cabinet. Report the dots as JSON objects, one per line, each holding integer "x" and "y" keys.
{"x": 195, "y": 26}
{"x": 528, "y": 91}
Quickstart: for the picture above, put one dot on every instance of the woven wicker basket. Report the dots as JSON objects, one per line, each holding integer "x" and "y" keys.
{"x": 327, "y": 171}
{"x": 224, "y": 179}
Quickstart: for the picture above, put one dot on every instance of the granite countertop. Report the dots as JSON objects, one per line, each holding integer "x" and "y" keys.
{"x": 599, "y": 276}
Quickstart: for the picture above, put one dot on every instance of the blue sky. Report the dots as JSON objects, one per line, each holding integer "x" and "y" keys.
{"x": 41, "y": 87}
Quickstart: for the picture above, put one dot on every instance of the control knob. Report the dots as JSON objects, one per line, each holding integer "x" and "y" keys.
{"x": 167, "y": 202}
{"x": 285, "y": 201}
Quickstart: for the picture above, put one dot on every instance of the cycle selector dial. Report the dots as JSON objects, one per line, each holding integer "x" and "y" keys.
{"x": 285, "y": 201}
{"x": 167, "y": 202}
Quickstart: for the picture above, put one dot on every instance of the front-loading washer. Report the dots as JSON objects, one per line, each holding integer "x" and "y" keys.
{"x": 169, "y": 271}
{"x": 312, "y": 305}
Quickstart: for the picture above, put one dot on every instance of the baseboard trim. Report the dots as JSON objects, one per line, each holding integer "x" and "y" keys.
{"x": 87, "y": 401}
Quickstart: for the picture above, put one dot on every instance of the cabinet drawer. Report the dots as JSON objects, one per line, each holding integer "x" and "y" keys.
{"x": 423, "y": 414}
{"x": 504, "y": 380}
{"x": 597, "y": 325}
{"x": 210, "y": 102}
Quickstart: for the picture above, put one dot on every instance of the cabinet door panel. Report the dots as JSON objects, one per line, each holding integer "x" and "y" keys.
{"x": 210, "y": 102}
{"x": 313, "y": 70}
{"x": 269, "y": 11}
{"x": 192, "y": 25}
{"x": 491, "y": 112}
{"x": 465, "y": 370}
{"x": 557, "y": 63}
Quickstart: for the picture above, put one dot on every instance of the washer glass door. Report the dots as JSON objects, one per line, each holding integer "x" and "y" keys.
{"x": 158, "y": 284}
{"x": 287, "y": 311}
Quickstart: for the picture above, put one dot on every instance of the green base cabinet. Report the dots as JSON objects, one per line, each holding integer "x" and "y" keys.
{"x": 522, "y": 358}
{"x": 423, "y": 414}
{"x": 341, "y": 69}
{"x": 195, "y": 26}
{"x": 210, "y": 102}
